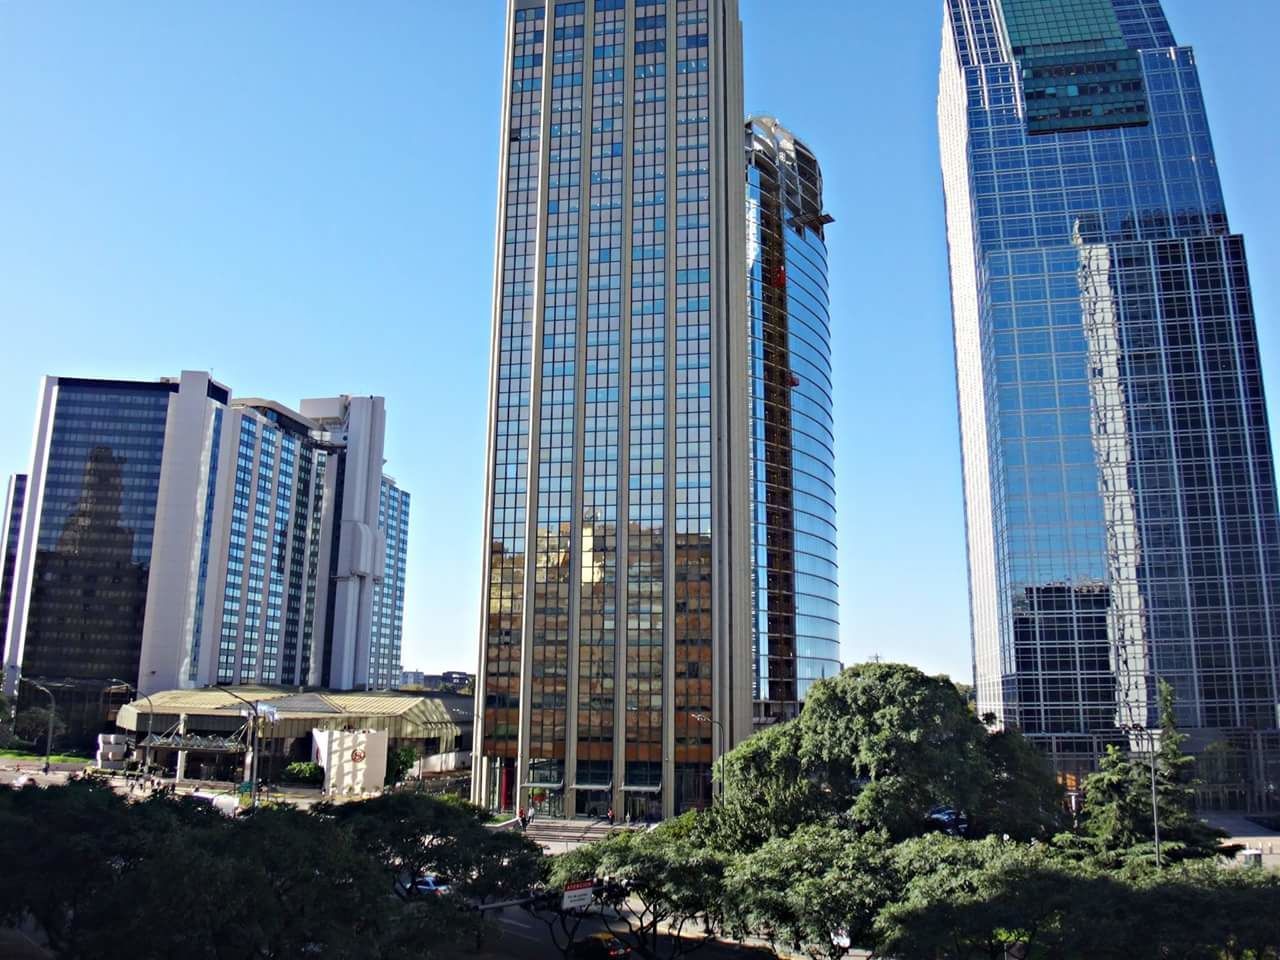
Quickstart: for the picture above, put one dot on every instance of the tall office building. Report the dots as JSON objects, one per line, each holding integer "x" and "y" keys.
{"x": 174, "y": 537}
{"x": 388, "y": 594}
{"x": 276, "y": 561}
{"x": 10, "y": 526}
{"x": 615, "y": 652}
{"x": 795, "y": 618}
{"x": 84, "y": 554}
{"x": 1119, "y": 484}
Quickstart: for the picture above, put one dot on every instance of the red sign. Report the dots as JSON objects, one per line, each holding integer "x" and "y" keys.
{"x": 357, "y": 755}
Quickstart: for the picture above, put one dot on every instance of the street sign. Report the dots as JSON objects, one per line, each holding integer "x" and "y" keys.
{"x": 578, "y": 895}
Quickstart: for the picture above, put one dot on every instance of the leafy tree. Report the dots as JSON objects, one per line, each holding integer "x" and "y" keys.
{"x": 667, "y": 876}
{"x": 32, "y": 724}
{"x": 817, "y": 891}
{"x": 413, "y": 835}
{"x": 980, "y": 899}
{"x": 1021, "y": 796}
{"x": 104, "y": 878}
{"x": 879, "y": 747}
{"x": 399, "y": 762}
{"x": 304, "y": 771}
{"x": 768, "y": 790}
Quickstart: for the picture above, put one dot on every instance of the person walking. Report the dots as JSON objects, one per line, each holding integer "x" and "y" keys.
{"x": 524, "y": 821}
{"x": 609, "y": 816}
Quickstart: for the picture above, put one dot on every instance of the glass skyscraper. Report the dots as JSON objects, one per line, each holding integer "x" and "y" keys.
{"x": 615, "y": 650}
{"x": 792, "y": 431}
{"x": 10, "y": 527}
{"x": 1119, "y": 483}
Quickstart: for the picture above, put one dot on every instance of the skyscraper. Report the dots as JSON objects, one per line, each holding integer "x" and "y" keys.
{"x": 615, "y": 650}
{"x": 275, "y": 570}
{"x": 792, "y": 431}
{"x": 174, "y": 537}
{"x": 84, "y": 555}
{"x": 1119, "y": 484}
{"x": 388, "y": 594}
{"x": 10, "y": 527}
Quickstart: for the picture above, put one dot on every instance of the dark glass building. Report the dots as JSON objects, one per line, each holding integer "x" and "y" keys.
{"x": 794, "y": 637}
{"x": 615, "y": 660}
{"x": 15, "y": 499}
{"x": 1119, "y": 483}
{"x": 78, "y": 606}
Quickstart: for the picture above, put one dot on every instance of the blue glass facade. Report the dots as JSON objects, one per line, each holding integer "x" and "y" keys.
{"x": 97, "y": 515}
{"x": 272, "y": 549}
{"x": 15, "y": 500}
{"x": 795, "y": 618}
{"x": 1120, "y": 489}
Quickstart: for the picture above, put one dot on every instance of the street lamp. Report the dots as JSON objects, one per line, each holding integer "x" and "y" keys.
{"x": 704, "y": 718}
{"x": 1155, "y": 806}
{"x": 53, "y": 712}
{"x": 253, "y": 770}
{"x": 151, "y": 716}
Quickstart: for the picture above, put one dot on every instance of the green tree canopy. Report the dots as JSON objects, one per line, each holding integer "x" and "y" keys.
{"x": 413, "y": 834}
{"x": 818, "y": 890}
{"x": 668, "y": 876}
{"x": 104, "y": 878}
{"x": 32, "y": 724}
{"x": 879, "y": 747}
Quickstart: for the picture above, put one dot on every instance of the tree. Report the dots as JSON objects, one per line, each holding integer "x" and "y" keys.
{"x": 413, "y": 835}
{"x": 980, "y": 899}
{"x": 880, "y": 747}
{"x": 1117, "y": 818}
{"x": 32, "y": 724}
{"x": 399, "y": 762}
{"x": 667, "y": 876}
{"x": 818, "y": 890}
{"x": 104, "y": 878}
{"x": 1021, "y": 796}
{"x": 771, "y": 793}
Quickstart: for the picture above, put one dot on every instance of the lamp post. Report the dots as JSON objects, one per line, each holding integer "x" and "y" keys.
{"x": 253, "y": 770}
{"x": 151, "y": 716}
{"x": 1155, "y": 805}
{"x": 704, "y": 718}
{"x": 53, "y": 713}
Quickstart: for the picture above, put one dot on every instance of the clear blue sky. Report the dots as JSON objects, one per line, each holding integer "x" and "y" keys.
{"x": 300, "y": 197}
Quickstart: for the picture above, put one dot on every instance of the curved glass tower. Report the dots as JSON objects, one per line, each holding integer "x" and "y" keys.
{"x": 1119, "y": 484}
{"x": 792, "y": 464}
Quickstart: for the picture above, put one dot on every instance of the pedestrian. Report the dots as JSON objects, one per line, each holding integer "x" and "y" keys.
{"x": 524, "y": 821}
{"x": 609, "y": 816}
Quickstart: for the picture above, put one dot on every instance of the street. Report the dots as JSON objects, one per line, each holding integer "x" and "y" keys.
{"x": 517, "y": 934}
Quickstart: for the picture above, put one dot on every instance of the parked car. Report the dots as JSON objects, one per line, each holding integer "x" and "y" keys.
{"x": 954, "y": 823}
{"x": 600, "y": 946}
{"x": 430, "y": 885}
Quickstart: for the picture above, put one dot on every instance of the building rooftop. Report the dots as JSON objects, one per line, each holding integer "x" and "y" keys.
{"x": 295, "y": 712}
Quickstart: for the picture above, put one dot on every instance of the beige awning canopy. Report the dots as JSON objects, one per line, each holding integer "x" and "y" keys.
{"x": 294, "y": 714}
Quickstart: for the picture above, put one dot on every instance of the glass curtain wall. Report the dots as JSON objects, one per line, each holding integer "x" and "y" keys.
{"x": 1119, "y": 478}
{"x": 793, "y": 533}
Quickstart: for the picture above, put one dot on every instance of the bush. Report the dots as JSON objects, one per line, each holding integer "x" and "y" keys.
{"x": 304, "y": 772}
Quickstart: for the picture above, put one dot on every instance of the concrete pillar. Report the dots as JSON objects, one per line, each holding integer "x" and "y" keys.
{"x": 181, "y": 773}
